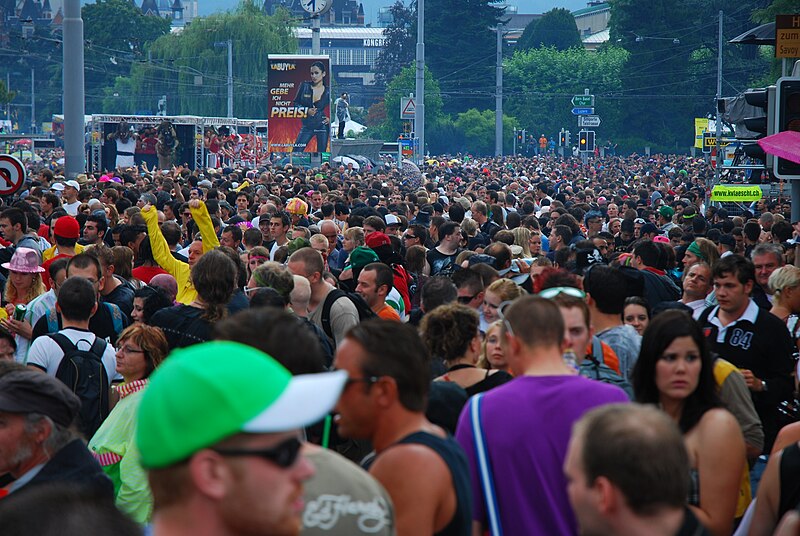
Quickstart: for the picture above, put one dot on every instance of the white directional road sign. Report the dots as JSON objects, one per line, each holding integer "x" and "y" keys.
{"x": 588, "y": 120}
{"x": 583, "y": 100}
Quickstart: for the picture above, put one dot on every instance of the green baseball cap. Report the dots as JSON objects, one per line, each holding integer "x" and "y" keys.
{"x": 207, "y": 392}
{"x": 360, "y": 257}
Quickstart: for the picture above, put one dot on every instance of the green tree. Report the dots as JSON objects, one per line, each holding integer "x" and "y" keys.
{"x": 460, "y": 45}
{"x": 117, "y": 35}
{"x": 540, "y": 82}
{"x": 192, "y": 72}
{"x": 660, "y": 96}
{"x": 6, "y": 96}
{"x": 556, "y": 28}
{"x": 478, "y": 130}
{"x": 399, "y": 88}
{"x": 399, "y": 49}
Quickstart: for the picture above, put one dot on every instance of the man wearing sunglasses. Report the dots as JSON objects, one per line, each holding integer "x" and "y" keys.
{"x": 218, "y": 431}
{"x": 384, "y": 400}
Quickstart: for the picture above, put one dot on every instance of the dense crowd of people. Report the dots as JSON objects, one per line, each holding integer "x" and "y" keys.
{"x": 509, "y": 345}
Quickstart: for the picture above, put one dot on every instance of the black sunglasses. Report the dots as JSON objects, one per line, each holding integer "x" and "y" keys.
{"x": 283, "y": 455}
{"x": 466, "y": 299}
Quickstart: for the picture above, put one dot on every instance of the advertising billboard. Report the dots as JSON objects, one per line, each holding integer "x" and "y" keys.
{"x": 299, "y": 103}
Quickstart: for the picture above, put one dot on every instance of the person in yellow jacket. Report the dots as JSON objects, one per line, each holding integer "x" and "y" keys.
{"x": 161, "y": 253}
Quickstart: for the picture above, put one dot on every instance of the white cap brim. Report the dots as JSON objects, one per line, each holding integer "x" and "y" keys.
{"x": 306, "y": 400}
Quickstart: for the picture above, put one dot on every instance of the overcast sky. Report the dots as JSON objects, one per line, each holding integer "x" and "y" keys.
{"x": 371, "y": 6}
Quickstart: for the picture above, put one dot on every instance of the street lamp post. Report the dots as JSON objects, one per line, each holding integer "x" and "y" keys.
{"x": 229, "y": 44}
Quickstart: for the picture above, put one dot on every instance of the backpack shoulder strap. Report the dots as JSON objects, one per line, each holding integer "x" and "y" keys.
{"x": 62, "y": 341}
{"x": 98, "y": 347}
{"x": 332, "y": 296}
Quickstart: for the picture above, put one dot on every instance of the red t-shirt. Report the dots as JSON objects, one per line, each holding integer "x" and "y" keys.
{"x": 146, "y": 273}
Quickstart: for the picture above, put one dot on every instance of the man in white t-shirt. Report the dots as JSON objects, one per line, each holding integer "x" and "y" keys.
{"x": 69, "y": 196}
{"x": 77, "y": 302}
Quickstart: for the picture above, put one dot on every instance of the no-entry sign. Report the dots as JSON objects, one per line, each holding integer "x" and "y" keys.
{"x": 12, "y": 174}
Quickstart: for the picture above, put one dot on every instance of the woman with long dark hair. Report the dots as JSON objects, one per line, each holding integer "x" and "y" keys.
{"x": 315, "y": 97}
{"x": 214, "y": 276}
{"x": 675, "y": 370}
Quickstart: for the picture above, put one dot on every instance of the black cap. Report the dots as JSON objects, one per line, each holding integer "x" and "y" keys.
{"x": 29, "y": 391}
{"x": 649, "y": 227}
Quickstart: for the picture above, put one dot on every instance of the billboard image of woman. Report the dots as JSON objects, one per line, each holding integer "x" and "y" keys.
{"x": 301, "y": 124}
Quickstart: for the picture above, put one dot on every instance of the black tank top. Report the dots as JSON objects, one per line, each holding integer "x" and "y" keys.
{"x": 790, "y": 479}
{"x": 453, "y": 456}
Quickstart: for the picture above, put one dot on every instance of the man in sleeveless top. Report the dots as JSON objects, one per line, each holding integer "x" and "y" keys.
{"x": 384, "y": 399}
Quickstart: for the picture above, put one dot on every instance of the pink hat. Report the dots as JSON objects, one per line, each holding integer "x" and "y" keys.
{"x": 661, "y": 238}
{"x": 25, "y": 260}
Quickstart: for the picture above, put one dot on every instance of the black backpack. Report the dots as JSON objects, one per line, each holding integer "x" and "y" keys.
{"x": 85, "y": 375}
{"x": 364, "y": 310}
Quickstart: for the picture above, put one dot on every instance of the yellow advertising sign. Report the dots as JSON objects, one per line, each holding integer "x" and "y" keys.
{"x": 700, "y": 126}
{"x": 787, "y": 36}
{"x": 710, "y": 140}
{"x": 728, "y": 193}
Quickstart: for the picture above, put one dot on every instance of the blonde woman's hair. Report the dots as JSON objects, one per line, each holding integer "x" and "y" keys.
{"x": 506, "y": 289}
{"x": 36, "y": 290}
{"x": 521, "y": 237}
{"x": 784, "y": 277}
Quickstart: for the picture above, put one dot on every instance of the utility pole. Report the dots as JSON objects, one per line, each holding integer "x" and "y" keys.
{"x": 719, "y": 96}
{"x": 419, "y": 114}
{"x": 33, "y": 103}
{"x": 498, "y": 113}
{"x": 315, "y": 35}
{"x": 230, "y": 77}
{"x": 74, "y": 155}
{"x": 229, "y": 45}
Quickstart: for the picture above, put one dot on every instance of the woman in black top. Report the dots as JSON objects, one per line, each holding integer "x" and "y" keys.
{"x": 214, "y": 277}
{"x": 451, "y": 333}
{"x": 315, "y": 97}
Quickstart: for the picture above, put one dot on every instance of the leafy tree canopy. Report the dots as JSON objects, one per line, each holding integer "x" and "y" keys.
{"x": 400, "y": 87}
{"x": 556, "y": 28}
{"x": 399, "y": 49}
{"x": 460, "y": 46}
{"x": 192, "y": 72}
{"x": 478, "y": 129}
{"x": 540, "y": 83}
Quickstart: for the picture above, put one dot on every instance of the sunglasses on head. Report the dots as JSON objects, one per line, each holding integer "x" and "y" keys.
{"x": 550, "y": 293}
{"x": 283, "y": 455}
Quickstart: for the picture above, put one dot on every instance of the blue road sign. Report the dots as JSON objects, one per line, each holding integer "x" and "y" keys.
{"x": 582, "y": 111}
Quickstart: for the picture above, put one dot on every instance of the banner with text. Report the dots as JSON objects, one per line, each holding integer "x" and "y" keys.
{"x": 728, "y": 193}
{"x": 700, "y": 126}
{"x": 299, "y": 103}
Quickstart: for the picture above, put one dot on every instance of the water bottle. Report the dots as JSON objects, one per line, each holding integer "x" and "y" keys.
{"x": 571, "y": 360}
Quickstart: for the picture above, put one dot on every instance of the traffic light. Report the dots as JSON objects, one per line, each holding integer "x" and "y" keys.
{"x": 762, "y": 124}
{"x": 519, "y": 137}
{"x": 562, "y": 139}
{"x": 787, "y": 117}
{"x": 586, "y": 141}
{"x": 583, "y": 140}
{"x": 523, "y": 136}
{"x": 568, "y": 139}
